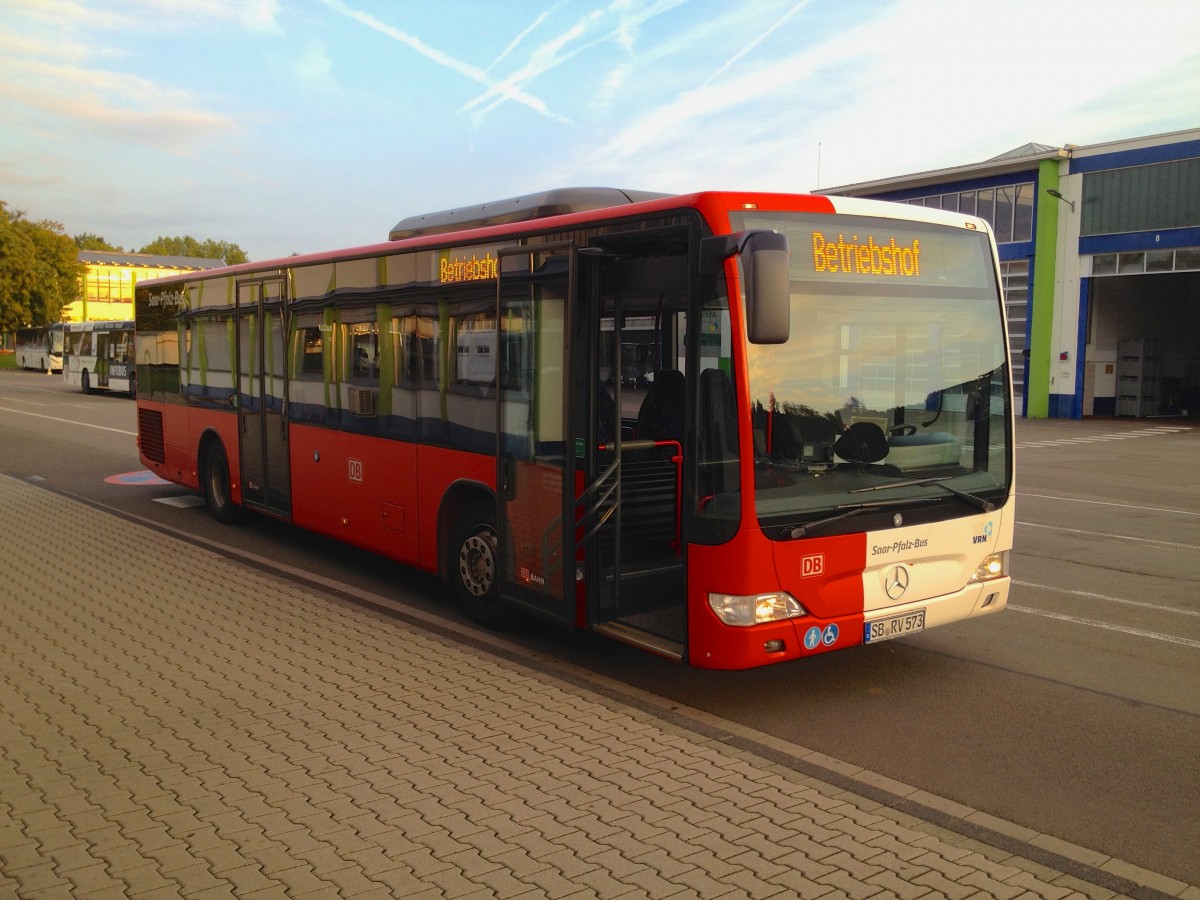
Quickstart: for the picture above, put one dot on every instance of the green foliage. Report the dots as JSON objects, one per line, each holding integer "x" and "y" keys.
{"x": 89, "y": 241}
{"x": 40, "y": 273}
{"x": 189, "y": 246}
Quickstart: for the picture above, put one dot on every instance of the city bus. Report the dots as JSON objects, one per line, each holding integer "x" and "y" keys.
{"x": 99, "y": 356}
{"x": 40, "y": 348}
{"x": 822, "y": 457}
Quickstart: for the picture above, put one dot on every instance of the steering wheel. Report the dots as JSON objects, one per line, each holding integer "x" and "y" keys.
{"x": 906, "y": 428}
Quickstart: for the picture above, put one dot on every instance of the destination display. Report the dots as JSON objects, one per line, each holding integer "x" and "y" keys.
{"x": 867, "y": 258}
{"x": 466, "y": 264}
{"x": 879, "y": 251}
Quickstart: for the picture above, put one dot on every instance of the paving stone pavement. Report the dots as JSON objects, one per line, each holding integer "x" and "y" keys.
{"x": 174, "y": 723}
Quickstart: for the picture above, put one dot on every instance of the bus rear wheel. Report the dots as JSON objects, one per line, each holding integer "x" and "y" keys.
{"x": 473, "y": 565}
{"x": 218, "y": 494}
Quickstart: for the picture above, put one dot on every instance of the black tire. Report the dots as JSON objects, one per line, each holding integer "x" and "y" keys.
{"x": 473, "y": 565}
{"x": 218, "y": 494}
{"x": 85, "y": 383}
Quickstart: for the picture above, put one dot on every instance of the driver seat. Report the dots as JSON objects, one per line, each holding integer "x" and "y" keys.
{"x": 862, "y": 442}
{"x": 661, "y": 415}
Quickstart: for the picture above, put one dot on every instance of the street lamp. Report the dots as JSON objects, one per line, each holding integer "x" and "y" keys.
{"x": 1057, "y": 196}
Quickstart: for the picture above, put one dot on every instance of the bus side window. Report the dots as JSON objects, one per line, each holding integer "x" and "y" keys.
{"x": 718, "y": 444}
{"x": 312, "y": 343}
{"x": 425, "y": 351}
{"x": 362, "y": 351}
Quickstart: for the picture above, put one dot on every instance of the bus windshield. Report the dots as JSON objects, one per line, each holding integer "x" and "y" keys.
{"x": 893, "y": 387}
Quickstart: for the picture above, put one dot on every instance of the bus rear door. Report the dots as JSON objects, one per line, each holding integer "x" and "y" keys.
{"x": 535, "y": 456}
{"x": 262, "y": 396}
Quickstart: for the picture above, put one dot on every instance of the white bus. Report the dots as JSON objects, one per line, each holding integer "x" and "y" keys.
{"x": 99, "y": 355}
{"x": 40, "y": 348}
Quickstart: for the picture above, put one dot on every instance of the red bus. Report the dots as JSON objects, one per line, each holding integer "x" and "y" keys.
{"x": 730, "y": 428}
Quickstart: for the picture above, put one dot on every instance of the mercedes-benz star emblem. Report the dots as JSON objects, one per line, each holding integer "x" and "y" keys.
{"x": 895, "y": 583}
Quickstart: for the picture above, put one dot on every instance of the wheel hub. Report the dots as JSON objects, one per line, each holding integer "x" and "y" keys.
{"x": 477, "y": 564}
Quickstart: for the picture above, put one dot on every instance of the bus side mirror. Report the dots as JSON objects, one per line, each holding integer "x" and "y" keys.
{"x": 768, "y": 304}
{"x": 765, "y": 269}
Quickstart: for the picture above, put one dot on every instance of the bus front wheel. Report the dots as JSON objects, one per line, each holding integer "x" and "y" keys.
{"x": 218, "y": 494}
{"x": 473, "y": 564}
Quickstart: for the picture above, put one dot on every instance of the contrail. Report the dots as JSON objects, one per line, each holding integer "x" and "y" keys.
{"x": 455, "y": 65}
{"x": 754, "y": 43}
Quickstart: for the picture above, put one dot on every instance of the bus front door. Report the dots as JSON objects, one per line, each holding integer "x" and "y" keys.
{"x": 630, "y": 338}
{"x": 262, "y": 396}
{"x": 535, "y": 453}
{"x": 102, "y": 339}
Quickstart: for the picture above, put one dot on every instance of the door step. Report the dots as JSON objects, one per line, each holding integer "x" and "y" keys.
{"x": 644, "y": 571}
{"x": 643, "y": 640}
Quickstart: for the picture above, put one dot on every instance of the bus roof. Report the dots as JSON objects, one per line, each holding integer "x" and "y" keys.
{"x": 103, "y": 325}
{"x": 567, "y": 207}
{"x": 558, "y": 202}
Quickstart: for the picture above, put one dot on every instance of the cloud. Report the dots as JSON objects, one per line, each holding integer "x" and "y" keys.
{"x": 91, "y": 16}
{"x": 717, "y": 102}
{"x": 253, "y": 15}
{"x": 903, "y": 87}
{"x": 58, "y": 83}
{"x": 90, "y": 104}
{"x": 313, "y": 65}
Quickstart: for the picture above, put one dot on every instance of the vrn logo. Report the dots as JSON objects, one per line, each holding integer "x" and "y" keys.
{"x": 983, "y": 538}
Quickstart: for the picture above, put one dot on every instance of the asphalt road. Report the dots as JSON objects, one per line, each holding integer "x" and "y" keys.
{"x": 1076, "y": 712}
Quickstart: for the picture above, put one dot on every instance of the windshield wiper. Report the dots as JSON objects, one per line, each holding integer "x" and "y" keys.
{"x": 977, "y": 502}
{"x": 804, "y": 529}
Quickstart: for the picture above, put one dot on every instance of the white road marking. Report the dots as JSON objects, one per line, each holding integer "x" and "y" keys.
{"x": 183, "y": 502}
{"x": 1135, "y": 632}
{"x": 22, "y": 412}
{"x": 1170, "y": 545}
{"x": 1091, "y": 596}
{"x": 1112, "y": 436}
{"x": 1166, "y": 509}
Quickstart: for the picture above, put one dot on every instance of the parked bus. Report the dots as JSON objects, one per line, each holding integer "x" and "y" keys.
{"x": 823, "y": 458}
{"x": 40, "y": 348}
{"x": 99, "y": 356}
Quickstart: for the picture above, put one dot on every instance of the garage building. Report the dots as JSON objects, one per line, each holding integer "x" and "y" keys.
{"x": 1100, "y": 257}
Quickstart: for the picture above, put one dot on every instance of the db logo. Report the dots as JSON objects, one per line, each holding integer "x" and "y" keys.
{"x": 812, "y": 565}
{"x": 355, "y": 470}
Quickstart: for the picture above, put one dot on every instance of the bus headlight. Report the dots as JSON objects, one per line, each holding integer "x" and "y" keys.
{"x": 755, "y": 609}
{"x": 992, "y": 566}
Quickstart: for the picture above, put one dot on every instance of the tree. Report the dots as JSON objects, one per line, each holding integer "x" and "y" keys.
{"x": 40, "y": 272}
{"x": 189, "y": 246}
{"x": 89, "y": 241}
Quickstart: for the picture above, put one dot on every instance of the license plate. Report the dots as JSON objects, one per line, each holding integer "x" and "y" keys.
{"x": 893, "y": 626}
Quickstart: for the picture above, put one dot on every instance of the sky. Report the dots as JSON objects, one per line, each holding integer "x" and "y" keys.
{"x": 296, "y": 126}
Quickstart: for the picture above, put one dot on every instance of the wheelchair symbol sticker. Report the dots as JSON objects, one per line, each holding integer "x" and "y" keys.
{"x": 815, "y": 637}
